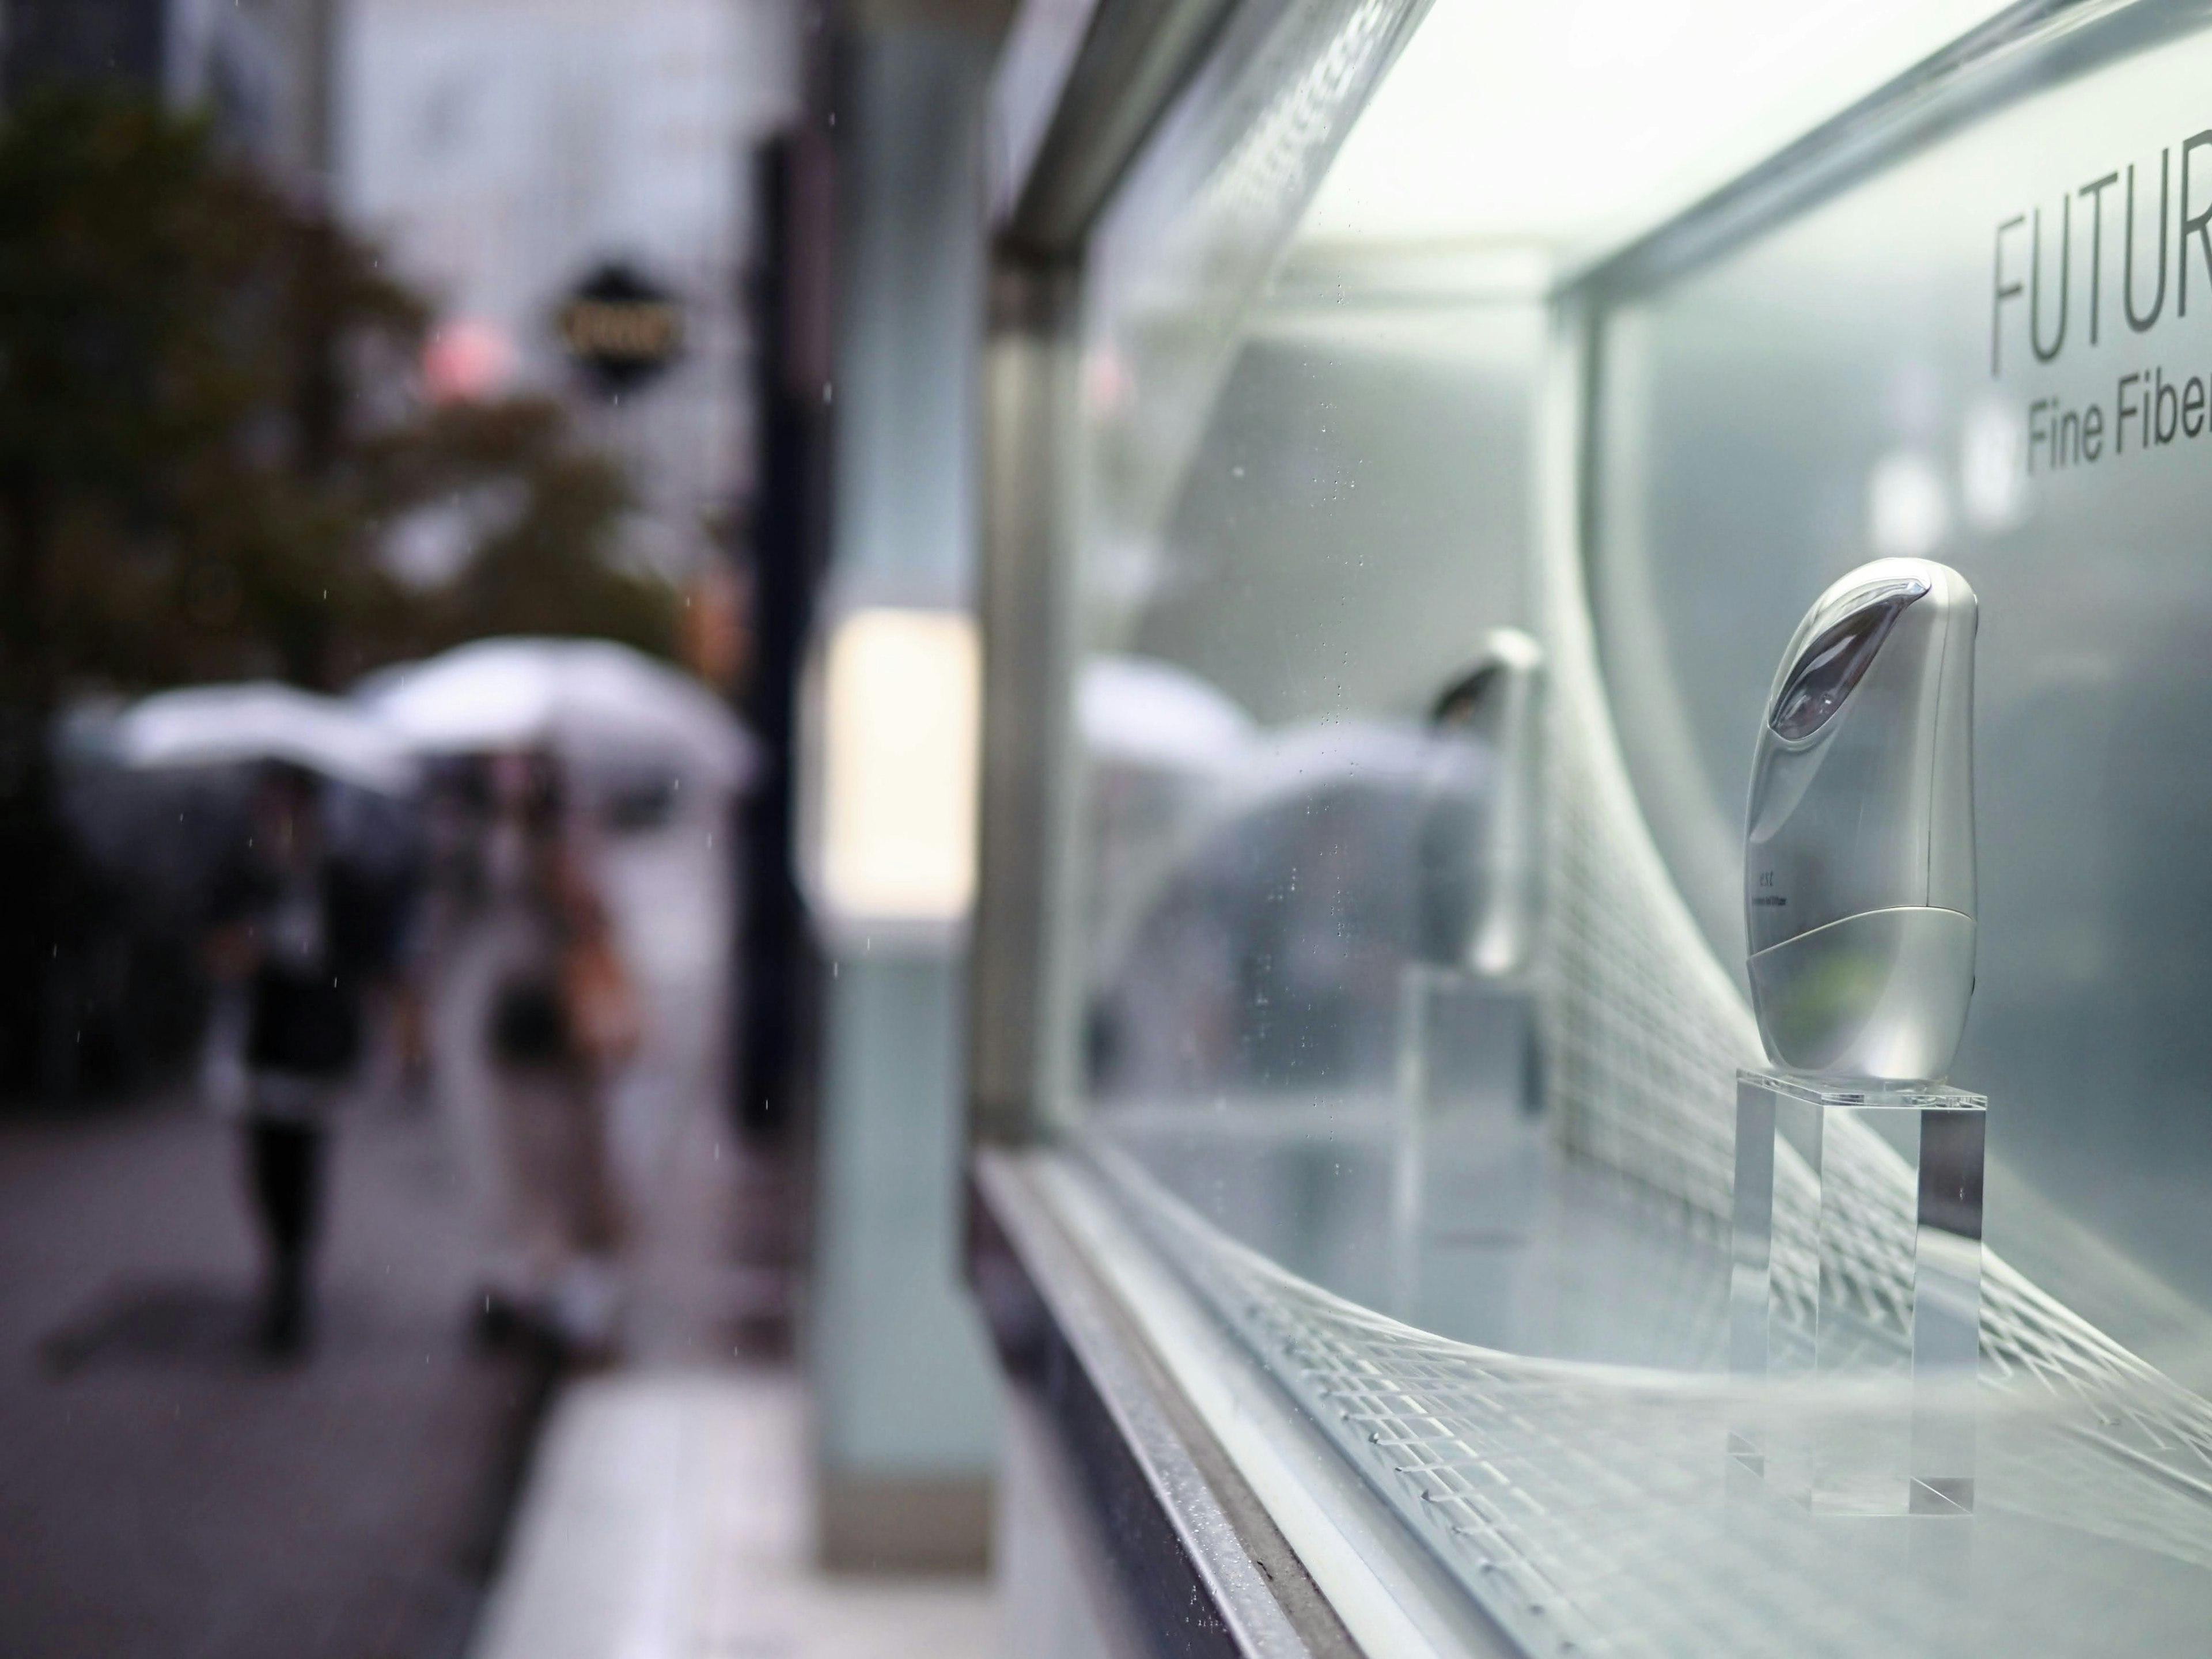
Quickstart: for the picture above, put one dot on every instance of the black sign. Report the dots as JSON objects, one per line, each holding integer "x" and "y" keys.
{"x": 621, "y": 329}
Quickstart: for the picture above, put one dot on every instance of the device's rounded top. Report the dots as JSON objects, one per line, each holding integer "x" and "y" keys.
{"x": 1507, "y": 655}
{"x": 1512, "y": 647}
{"x": 1940, "y": 580}
{"x": 1845, "y": 631}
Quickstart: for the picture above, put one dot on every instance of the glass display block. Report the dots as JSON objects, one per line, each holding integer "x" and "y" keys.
{"x": 1467, "y": 1138}
{"x": 1858, "y": 1301}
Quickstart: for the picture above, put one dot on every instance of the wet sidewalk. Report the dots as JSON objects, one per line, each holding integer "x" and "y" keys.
{"x": 167, "y": 1493}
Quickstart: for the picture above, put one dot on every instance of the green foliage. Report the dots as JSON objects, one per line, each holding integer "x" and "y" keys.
{"x": 540, "y": 565}
{"x": 209, "y": 424}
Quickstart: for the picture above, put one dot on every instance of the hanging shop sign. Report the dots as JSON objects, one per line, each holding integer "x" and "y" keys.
{"x": 621, "y": 329}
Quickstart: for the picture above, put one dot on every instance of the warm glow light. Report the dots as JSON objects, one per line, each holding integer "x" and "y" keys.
{"x": 902, "y": 706}
{"x": 466, "y": 359}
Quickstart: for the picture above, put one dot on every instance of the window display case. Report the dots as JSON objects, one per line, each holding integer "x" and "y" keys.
{"x": 1419, "y": 1261}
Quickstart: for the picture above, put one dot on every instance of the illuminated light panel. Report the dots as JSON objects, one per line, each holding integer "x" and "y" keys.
{"x": 1574, "y": 126}
{"x": 901, "y": 708}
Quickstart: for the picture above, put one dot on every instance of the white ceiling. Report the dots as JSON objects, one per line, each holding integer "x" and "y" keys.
{"x": 1573, "y": 124}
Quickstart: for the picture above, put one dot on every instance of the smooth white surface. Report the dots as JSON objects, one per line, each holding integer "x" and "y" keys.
{"x": 1562, "y": 125}
{"x": 668, "y": 1517}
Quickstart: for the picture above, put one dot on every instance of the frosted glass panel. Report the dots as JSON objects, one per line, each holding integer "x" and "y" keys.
{"x": 1994, "y": 354}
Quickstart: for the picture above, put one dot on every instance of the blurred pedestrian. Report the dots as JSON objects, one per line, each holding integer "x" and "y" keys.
{"x": 300, "y": 937}
{"x": 533, "y": 1010}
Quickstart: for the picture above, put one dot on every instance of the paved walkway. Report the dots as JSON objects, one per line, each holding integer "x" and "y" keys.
{"x": 164, "y": 1493}
{"x": 668, "y": 1512}
{"x": 667, "y": 1518}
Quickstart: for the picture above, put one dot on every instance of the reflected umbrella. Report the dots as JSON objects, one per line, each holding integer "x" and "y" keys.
{"x": 1139, "y": 712}
{"x": 1262, "y": 948}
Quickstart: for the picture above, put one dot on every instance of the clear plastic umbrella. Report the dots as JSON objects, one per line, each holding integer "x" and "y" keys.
{"x": 1141, "y": 712}
{"x": 261, "y": 720}
{"x": 589, "y": 701}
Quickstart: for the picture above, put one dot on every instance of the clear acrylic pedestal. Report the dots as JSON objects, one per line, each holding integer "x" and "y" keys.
{"x": 1468, "y": 1136}
{"x": 1867, "y": 1340}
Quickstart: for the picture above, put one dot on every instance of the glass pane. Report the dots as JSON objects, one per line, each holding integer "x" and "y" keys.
{"x": 1310, "y": 467}
{"x": 1867, "y": 381}
{"x": 1304, "y": 510}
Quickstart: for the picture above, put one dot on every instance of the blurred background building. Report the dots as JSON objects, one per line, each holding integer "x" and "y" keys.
{"x": 502, "y": 155}
{"x": 263, "y": 72}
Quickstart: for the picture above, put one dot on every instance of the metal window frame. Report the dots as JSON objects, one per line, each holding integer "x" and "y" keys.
{"x": 1227, "y": 1523}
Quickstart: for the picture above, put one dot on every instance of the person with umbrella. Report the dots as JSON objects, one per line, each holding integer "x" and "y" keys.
{"x": 535, "y": 1012}
{"x": 300, "y": 934}
{"x": 533, "y": 1009}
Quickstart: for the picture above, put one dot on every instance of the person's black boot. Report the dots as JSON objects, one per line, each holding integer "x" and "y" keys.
{"x": 284, "y": 1314}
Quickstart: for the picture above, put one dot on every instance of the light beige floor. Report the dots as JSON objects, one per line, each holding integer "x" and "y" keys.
{"x": 667, "y": 1518}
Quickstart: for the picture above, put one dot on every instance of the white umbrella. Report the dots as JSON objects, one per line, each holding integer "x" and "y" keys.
{"x": 588, "y": 700}
{"x": 261, "y": 720}
{"x": 1141, "y": 712}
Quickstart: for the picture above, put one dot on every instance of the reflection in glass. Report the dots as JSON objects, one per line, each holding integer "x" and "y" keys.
{"x": 1829, "y": 668}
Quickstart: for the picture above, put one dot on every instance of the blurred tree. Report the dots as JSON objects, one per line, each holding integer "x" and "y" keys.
{"x": 536, "y": 515}
{"x": 210, "y": 433}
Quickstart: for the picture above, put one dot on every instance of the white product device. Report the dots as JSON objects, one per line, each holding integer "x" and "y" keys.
{"x": 1859, "y": 844}
{"x": 1500, "y": 702}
